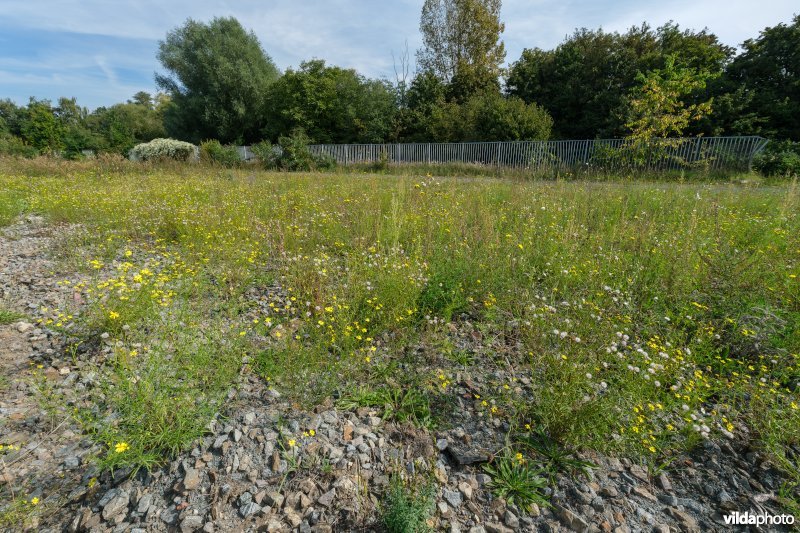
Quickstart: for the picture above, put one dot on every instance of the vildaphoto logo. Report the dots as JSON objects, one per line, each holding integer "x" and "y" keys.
{"x": 765, "y": 519}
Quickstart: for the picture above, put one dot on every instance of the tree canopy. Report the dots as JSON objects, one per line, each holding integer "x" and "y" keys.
{"x": 218, "y": 76}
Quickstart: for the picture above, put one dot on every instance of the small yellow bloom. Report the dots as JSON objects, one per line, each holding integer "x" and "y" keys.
{"x": 291, "y": 443}
{"x": 121, "y": 447}
{"x": 113, "y": 315}
{"x": 35, "y": 501}
{"x": 312, "y": 432}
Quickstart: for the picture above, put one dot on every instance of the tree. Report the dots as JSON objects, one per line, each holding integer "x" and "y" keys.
{"x": 461, "y": 36}
{"x": 583, "y": 81}
{"x": 330, "y": 104}
{"x": 40, "y": 127}
{"x": 657, "y": 106}
{"x": 219, "y": 76}
{"x": 769, "y": 72}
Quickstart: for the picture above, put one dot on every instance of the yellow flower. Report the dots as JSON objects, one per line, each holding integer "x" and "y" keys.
{"x": 113, "y": 315}
{"x": 291, "y": 443}
{"x": 312, "y": 432}
{"x": 35, "y": 501}
{"x": 121, "y": 447}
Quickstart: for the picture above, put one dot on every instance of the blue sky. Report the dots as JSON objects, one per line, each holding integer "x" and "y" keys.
{"x": 102, "y": 51}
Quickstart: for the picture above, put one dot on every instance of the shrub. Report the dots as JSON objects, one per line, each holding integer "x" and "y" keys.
{"x": 159, "y": 149}
{"x": 12, "y": 145}
{"x": 293, "y": 154}
{"x": 216, "y": 153}
{"x": 779, "y": 158}
{"x": 267, "y": 153}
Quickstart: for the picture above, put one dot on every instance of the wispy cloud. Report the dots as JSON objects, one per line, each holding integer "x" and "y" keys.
{"x": 72, "y": 48}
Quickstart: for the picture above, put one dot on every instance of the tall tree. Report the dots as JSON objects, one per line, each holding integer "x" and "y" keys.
{"x": 218, "y": 78}
{"x": 331, "y": 104}
{"x": 583, "y": 81}
{"x": 461, "y": 36}
{"x": 769, "y": 72}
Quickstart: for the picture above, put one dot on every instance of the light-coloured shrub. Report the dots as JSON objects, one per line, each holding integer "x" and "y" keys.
{"x": 163, "y": 149}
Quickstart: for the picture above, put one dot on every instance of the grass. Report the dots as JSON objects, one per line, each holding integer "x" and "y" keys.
{"x": 408, "y": 505}
{"x": 516, "y": 481}
{"x": 8, "y": 316}
{"x": 642, "y": 316}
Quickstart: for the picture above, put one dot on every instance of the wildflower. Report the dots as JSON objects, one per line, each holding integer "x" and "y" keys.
{"x": 312, "y": 432}
{"x": 113, "y": 315}
{"x": 121, "y": 447}
{"x": 291, "y": 443}
{"x": 35, "y": 500}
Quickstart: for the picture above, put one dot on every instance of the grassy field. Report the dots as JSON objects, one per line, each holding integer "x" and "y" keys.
{"x": 641, "y": 317}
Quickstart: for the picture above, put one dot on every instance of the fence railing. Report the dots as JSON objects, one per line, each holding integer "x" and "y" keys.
{"x": 712, "y": 153}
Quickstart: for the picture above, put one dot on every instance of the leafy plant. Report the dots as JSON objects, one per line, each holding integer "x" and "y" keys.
{"x": 7, "y": 316}
{"x": 514, "y": 480}
{"x": 397, "y": 404}
{"x": 556, "y": 457}
{"x": 214, "y": 152}
{"x": 408, "y": 507}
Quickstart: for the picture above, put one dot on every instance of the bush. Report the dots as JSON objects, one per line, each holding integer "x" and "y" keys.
{"x": 214, "y": 152}
{"x": 267, "y": 153}
{"x": 779, "y": 158}
{"x": 12, "y": 145}
{"x": 292, "y": 154}
{"x": 160, "y": 149}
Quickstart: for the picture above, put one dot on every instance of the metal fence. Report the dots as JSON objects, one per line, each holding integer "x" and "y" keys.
{"x": 710, "y": 153}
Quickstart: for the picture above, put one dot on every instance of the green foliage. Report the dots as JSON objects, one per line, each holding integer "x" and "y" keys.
{"x": 583, "y": 82}
{"x": 215, "y": 153}
{"x": 489, "y": 117}
{"x": 8, "y": 316}
{"x": 406, "y": 404}
{"x": 268, "y": 154}
{"x": 657, "y": 106}
{"x": 41, "y": 129}
{"x": 293, "y": 154}
{"x": 462, "y": 37}
{"x": 408, "y": 506}
{"x": 159, "y": 149}
{"x": 218, "y": 78}
{"x": 514, "y": 480}
{"x": 769, "y": 71}
{"x": 330, "y": 104}
{"x": 15, "y": 146}
{"x": 779, "y": 158}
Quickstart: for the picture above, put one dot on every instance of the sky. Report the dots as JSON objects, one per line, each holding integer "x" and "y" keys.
{"x": 102, "y": 52}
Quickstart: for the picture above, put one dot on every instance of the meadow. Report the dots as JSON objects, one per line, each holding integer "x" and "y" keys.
{"x": 635, "y": 318}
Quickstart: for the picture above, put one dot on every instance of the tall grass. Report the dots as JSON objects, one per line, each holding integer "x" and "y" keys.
{"x": 645, "y": 316}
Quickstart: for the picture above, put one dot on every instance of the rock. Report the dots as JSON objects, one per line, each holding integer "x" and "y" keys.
{"x": 684, "y": 518}
{"x": 116, "y": 505}
{"x": 72, "y": 461}
{"x": 511, "y": 520}
{"x": 466, "y": 456}
{"x": 144, "y": 503}
{"x": 664, "y": 483}
{"x": 609, "y": 492}
{"x": 293, "y": 519}
{"x": 644, "y": 493}
{"x": 249, "y": 509}
{"x": 24, "y": 327}
{"x": 327, "y": 499}
{"x": 452, "y": 497}
{"x": 494, "y": 527}
{"x": 465, "y": 489}
{"x": 661, "y": 528}
{"x": 192, "y": 523}
{"x": 191, "y": 480}
{"x": 441, "y": 444}
{"x": 570, "y": 519}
